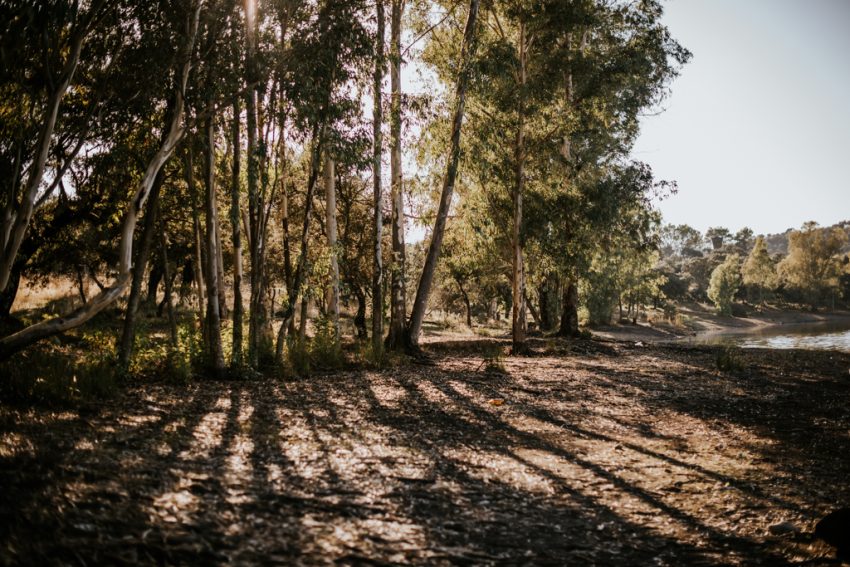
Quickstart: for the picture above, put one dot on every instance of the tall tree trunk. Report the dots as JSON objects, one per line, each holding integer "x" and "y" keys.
{"x": 256, "y": 311}
{"x": 215, "y": 352}
{"x": 466, "y": 303}
{"x": 332, "y": 296}
{"x": 128, "y": 334}
{"x": 569, "y": 316}
{"x": 200, "y": 271}
{"x": 377, "y": 120}
{"x": 154, "y": 277}
{"x": 302, "y": 321}
{"x": 398, "y": 299}
{"x": 172, "y": 319}
{"x": 287, "y": 253}
{"x": 219, "y": 264}
{"x": 238, "y": 308}
{"x": 420, "y": 304}
{"x": 174, "y": 133}
{"x": 519, "y": 325}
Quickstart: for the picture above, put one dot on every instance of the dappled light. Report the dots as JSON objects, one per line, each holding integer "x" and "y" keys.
{"x": 378, "y": 282}
{"x": 416, "y": 464}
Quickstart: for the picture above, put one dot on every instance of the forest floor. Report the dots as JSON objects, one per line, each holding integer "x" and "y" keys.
{"x": 587, "y": 452}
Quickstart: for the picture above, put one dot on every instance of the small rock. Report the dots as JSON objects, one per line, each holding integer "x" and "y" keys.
{"x": 783, "y": 528}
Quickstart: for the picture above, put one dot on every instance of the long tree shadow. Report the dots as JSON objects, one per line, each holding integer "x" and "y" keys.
{"x": 439, "y": 464}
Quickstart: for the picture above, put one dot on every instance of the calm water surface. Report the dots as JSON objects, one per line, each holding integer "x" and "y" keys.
{"x": 815, "y": 336}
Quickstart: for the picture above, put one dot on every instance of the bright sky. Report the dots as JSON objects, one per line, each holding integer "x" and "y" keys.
{"x": 757, "y": 130}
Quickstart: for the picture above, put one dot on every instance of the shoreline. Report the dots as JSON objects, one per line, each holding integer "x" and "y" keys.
{"x": 701, "y": 322}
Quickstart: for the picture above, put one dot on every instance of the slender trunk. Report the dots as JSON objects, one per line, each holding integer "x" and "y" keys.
{"x": 420, "y": 304}
{"x": 398, "y": 299}
{"x": 256, "y": 305}
{"x": 172, "y": 319}
{"x": 13, "y": 343}
{"x": 199, "y": 273}
{"x": 377, "y": 264}
{"x": 533, "y": 310}
{"x": 238, "y": 308}
{"x": 332, "y": 297}
{"x": 466, "y": 303}
{"x": 222, "y": 296}
{"x": 81, "y": 284}
{"x": 302, "y": 269}
{"x": 360, "y": 316}
{"x": 154, "y": 277}
{"x": 7, "y": 296}
{"x": 569, "y": 316}
{"x": 302, "y": 323}
{"x": 128, "y": 334}
{"x": 519, "y": 325}
{"x": 215, "y": 353}
{"x": 287, "y": 254}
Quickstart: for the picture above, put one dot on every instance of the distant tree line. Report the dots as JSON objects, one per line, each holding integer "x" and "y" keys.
{"x": 811, "y": 266}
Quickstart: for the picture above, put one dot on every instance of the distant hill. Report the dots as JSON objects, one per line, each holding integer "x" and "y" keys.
{"x": 778, "y": 243}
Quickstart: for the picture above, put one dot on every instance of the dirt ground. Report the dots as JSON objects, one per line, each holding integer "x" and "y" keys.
{"x": 586, "y": 453}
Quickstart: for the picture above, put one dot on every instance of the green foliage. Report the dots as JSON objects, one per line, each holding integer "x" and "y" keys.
{"x": 56, "y": 376}
{"x": 725, "y": 283}
{"x": 325, "y": 347}
{"x": 369, "y": 357}
{"x": 759, "y": 271}
{"x": 813, "y": 263}
{"x": 297, "y": 357}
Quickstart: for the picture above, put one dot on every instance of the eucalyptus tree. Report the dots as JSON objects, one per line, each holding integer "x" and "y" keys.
{"x": 377, "y": 187}
{"x": 423, "y": 290}
{"x": 184, "y": 19}
{"x": 326, "y": 56}
{"x": 398, "y": 295}
{"x": 41, "y": 51}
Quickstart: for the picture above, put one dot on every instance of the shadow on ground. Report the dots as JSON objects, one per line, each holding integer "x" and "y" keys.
{"x": 587, "y": 454}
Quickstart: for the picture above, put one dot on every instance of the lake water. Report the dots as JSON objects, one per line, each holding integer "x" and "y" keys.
{"x": 816, "y": 336}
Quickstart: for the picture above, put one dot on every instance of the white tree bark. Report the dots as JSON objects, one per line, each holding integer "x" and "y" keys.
{"x": 13, "y": 343}
{"x": 332, "y": 293}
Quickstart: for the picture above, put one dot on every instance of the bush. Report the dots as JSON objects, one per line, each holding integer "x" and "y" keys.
{"x": 51, "y": 375}
{"x": 325, "y": 348}
{"x": 297, "y": 357}
{"x": 724, "y": 284}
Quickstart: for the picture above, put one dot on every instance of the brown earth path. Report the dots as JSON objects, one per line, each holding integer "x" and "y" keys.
{"x": 588, "y": 453}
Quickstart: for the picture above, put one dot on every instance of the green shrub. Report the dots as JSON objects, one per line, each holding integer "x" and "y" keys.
{"x": 325, "y": 348}
{"x": 297, "y": 357}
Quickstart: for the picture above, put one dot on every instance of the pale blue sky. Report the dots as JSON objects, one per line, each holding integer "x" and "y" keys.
{"x": 757, "y": 129}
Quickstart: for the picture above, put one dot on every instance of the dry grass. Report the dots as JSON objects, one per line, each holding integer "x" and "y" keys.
{"x": 57, "y": 295}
